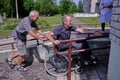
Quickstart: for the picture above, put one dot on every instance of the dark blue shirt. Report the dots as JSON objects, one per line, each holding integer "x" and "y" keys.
{"x": 63, "y": 33}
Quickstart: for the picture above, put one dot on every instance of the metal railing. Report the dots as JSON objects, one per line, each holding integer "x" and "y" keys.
{"x": 70, "y": 51}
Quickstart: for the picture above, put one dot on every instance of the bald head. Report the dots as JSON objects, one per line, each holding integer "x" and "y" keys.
{"x": 34, "y": 15}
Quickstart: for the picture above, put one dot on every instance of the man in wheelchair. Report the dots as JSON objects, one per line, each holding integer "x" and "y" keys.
{"x": 63, "y": 32}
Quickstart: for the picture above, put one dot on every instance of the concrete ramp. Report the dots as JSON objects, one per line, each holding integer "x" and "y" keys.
{"x": 74, "y": 76}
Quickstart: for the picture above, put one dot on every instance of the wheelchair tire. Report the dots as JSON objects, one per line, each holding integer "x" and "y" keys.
{"x": 43, "y": 52}
{"x": 54, "y": 62}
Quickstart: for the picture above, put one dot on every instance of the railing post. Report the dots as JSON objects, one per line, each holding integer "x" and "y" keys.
{"x": 12, "y": 46}
{"x": 69, "y": 60}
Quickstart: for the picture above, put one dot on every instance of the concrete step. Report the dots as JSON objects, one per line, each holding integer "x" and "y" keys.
{"x": 74, "y": 76}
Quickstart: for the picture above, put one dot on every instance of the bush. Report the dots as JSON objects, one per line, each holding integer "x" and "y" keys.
{"x": 10, "y": 26}
{"x": 43, "y": 24}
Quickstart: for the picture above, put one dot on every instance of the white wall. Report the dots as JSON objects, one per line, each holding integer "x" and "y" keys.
{"x": 114, "y": 62}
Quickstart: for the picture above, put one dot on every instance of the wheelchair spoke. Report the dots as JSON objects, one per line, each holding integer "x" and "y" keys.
{"x": 56, "y": 65}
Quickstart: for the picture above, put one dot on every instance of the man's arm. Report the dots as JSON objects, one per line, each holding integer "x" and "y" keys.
{"x": 50, "y": 37}
{"x": 35, "y": 35}
{"x": 80, "y": 30}
{"x": 108, "y": 6}
{"x": 96, "y": 32}
{"x": 42, "y": 33}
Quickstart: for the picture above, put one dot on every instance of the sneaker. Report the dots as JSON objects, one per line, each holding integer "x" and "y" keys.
{"x": 78, "y": 69}
{"x": 94, "y": 61}
{"x": 9, "y": 63}
{"x": 20, "y": 68}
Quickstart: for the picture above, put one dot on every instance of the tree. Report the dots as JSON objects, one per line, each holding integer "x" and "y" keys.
{"x": 5, "y": 7}
{"x": 73, "y": 8}
{"x": 80, "y": 7}
{"x": 28, "y": 5}
{"x": 64, "y": 6}
{"x": 45, "y": 7}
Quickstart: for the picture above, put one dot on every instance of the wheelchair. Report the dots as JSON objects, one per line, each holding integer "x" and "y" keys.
{"x": 56, "y": 63}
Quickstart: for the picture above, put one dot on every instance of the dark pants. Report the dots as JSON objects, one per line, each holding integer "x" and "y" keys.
{"x": 103, "y": 26}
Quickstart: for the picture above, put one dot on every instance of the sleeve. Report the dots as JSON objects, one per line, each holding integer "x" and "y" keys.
{"x": 27, "y": 25}
{"x": 56, "y": 31}
{"x": 73, "y": 28}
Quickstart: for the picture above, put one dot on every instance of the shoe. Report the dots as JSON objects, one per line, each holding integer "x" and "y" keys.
{"x": 9, "y": 63}
{"x": 78, "y": 69}
{"x": 94, "y": 61}
{"x": 20, "y": 68}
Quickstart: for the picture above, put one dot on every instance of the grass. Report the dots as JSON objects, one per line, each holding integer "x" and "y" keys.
{"x": 90, "y": 20}
{"x": 5, "y": 32}
{"x": 52, "y": 20}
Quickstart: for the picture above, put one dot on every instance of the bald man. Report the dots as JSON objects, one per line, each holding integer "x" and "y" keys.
{"x": 20, "y": 36}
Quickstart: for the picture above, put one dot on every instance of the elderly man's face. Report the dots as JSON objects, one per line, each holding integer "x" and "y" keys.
{"x": 68, "y": 21}
{"x": 36, "y": 17}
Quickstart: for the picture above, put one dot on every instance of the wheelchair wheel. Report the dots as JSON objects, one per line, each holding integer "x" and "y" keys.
{"x": 42, "y": 53}
{"x": 56, "y": 65}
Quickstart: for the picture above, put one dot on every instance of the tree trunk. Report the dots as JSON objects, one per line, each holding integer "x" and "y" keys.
{"x": 1, "y": 19}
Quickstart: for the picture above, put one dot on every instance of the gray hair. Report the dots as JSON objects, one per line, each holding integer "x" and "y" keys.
{"x": 32, "y": 13}
{"x": 65, "y": 18}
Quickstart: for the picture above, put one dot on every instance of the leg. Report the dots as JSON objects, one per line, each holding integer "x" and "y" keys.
{"x": 103, "y": 26}
{"x": 13, "y": 56}
{"x": 20, "y": 60}
{"x": 88, "y": 56}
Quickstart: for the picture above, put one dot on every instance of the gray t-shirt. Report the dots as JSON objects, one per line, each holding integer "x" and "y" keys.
{"x": 25, "y": 25}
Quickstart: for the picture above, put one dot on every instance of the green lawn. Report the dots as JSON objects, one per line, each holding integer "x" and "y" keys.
{"x": 90, "y": 20}
{"x": 52, "y": 20}
{"x": 5, "y": 32}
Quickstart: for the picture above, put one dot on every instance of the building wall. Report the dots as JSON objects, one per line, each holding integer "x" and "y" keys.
{"x": 86, "y": 6}
{"x": 114, "y": 60}
{"x": 93, "y": 6}
{"x": 90, "y": 6}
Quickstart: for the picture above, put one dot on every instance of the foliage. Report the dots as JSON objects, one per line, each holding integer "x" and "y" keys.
{"x": 43, "y": 23}
{"x": 80, "y": 7}
{"x": 52, "y": 20}
{"x": 5, "y": 7}
{"x": 45, "y": 7}
{"x": 64, "y": 6}
{"x": 73, "y": 7}
{"x": 90, "y": 20}
{"x": 8, "y": 26}
{"x": 28, "y": 4}
{"x": 5, "y": 32}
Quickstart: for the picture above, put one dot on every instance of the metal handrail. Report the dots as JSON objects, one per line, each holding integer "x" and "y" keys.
{"x": 12, "y": 43}
{"x": 70, "y": 51}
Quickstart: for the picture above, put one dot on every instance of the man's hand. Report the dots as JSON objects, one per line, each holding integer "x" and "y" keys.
{"x": 43, "y": 38}
{"x": 56, "y": 42}
{"x": 98, "y": 33}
